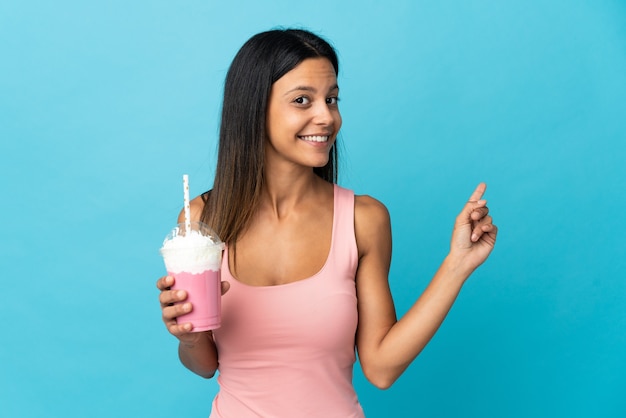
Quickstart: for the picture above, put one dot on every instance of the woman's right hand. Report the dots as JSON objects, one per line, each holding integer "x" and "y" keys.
{"x": 173, "y": 305}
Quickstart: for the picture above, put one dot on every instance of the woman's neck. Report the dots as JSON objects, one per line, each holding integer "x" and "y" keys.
{"x": 284, "y": 192}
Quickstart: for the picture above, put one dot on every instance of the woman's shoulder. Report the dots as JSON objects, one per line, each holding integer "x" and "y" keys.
{"x": 371, "y": 217}
{"x": 372, "y": 225}
{"x": 366, "y": 206}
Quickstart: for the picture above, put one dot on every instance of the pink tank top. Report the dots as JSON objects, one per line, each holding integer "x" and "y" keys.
{"x": 289, "y": 350}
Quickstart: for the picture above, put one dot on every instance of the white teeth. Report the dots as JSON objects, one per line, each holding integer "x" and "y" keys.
{"x": 315, "y": 138}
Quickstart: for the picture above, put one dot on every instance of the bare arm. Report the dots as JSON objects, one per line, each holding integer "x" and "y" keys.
{"x": 386, "y": 345}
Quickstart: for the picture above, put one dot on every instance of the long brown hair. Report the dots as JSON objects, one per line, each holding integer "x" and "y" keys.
{"x": 239, "y": 174}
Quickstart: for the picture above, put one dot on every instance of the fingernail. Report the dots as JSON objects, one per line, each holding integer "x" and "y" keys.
{"x": 180, "y": 294}
{"x": 187, "y": 307}
{"x": 474, "y": 237}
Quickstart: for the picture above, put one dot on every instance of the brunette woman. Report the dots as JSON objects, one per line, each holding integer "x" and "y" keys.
{"x": 305, "y": 269}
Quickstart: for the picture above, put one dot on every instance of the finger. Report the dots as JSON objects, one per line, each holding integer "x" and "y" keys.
{"x": 169, "y": 297}
{"x": 492, "y": 233}
{"x": 465, "y": 216}
{"x": 485, "y": 225}
{"x": 170, "y": 313}
{"x": 487, "y": 234}
{"x": 179, "y": 329}
{"x": 225, "y": 287}
{"x": 479, "y": 213}
{"x": 478, "y": 192}
{"x": 165, "y": 282}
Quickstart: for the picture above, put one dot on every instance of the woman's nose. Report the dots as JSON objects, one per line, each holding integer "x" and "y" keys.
{"x": 323, "y": 115}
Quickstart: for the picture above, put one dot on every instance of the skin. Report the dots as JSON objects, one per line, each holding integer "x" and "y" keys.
{"x": 295, "y": 216}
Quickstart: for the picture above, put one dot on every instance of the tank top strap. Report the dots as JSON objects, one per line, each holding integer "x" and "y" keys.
{"x": 344, "y": 239}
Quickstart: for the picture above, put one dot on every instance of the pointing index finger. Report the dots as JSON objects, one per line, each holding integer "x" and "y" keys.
{"x": 478, "y": 193}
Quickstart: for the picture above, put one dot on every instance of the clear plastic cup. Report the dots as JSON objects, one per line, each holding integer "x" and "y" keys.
{"x": 194, "y": 257}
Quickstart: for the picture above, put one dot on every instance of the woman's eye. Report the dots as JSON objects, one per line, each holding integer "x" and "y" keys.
{"x": 302, "y": 100}
{"x": 332, "y": 100}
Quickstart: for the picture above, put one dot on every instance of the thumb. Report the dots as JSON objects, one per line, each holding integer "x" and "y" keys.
{"x": 225, "y": 287}
{"x": 465, "y": 217}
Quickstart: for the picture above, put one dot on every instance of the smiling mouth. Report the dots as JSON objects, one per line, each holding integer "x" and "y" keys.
{"x": 315, "y": 138}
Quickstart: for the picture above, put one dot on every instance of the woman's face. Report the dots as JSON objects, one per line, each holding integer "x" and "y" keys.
{"x": 302, "y": 116}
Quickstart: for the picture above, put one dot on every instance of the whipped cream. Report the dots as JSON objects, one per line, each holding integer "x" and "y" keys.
{"x": 191, "y": 253}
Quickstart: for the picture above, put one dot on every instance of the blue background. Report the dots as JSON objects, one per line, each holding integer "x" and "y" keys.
{"x": 104, "y": 105}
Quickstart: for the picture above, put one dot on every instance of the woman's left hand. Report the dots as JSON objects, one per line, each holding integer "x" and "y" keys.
{"x": 474, "y": 234}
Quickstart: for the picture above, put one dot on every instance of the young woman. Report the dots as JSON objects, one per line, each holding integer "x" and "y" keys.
{"x": 305, "y": 269}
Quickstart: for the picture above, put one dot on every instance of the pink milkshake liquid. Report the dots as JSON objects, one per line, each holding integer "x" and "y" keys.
{"x": 204, "y": 292}
{"x": 193, "y": 256}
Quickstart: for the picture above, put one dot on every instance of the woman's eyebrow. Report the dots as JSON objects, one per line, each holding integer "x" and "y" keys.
{"x": 310, "y": 89}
